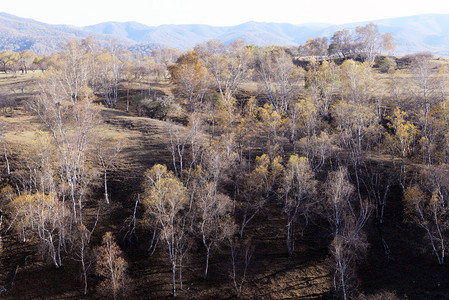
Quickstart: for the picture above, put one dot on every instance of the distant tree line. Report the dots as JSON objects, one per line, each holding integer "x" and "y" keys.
{"x": 365, "y": 42}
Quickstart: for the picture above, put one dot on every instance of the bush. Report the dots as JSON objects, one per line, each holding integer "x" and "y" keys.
{"x": 158, "y": 107}
{"x": 386, "y": 64}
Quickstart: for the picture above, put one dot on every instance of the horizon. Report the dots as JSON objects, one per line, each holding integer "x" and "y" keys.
{"x": 201, "y": 12}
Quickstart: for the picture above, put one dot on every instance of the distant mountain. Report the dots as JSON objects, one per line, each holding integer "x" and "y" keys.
{"x": 187, "y": 36}
{"x": 412, "y": 34}
{"x": 19, "y": 34}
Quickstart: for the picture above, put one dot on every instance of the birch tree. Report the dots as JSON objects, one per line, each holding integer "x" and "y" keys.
{"x": 279, "y": 77}
{"x": 215, "y": 220}
{"x": 298, "y": 187}
{"x": 347, "y": 219}
{"x": 429, "y": 212}
{"x": 165, "y": 198}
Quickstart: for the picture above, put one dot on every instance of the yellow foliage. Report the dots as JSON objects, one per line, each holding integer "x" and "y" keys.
{"x": 405, "y": 132}
{"x": 165, "y": 194}
{"x": 265, "y": 174}
{"x": 413, "y": 197}
{"x": 298, "y": 169}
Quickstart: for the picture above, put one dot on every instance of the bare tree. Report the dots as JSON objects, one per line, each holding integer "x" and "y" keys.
{"x": 82, "y": 252}
{"x": 112, "y": 267}
{"x": 298, "y": 186}
{"x": 342, "y": 43}
{"x": 370, "y": 42}
{"x": 46, "y": 218}
{"x": 178, "y": 141}
{"x": 429, "y": 212}
{"x": 241, "y": 254}
{"x": 74, "y": 69}
{"x": 215, "y": 221}
{"x": 107, "y": 151}
{"x": 347, "y": 219}
{"x": 280, "y": 78}
{"x": 71, "y": 127}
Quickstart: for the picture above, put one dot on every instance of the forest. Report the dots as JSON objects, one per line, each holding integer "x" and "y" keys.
{"x": 225, "y": 171}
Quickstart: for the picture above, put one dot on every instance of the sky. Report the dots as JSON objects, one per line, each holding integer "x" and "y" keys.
{"x": 218, "y": 13}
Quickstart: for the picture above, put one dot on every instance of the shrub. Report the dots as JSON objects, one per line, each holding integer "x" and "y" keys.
{"x": 386, "y": 64}
{"x": 158, "y": 107}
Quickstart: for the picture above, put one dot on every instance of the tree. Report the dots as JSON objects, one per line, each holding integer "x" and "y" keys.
{"x": 303, "y": 120}
{"x": 317, "y": 149}
{"x": 280, "y": 78}
{"x": 165, "y": 55}
{"x": 165, "y": 198}
{"x": 42, "y": 62}
{"x": 82, "y": 251}
{"x": 112, "y": 267}
{"x": 259, "y": 184}
{"x": 178, "y": 141}
{"x": 342, "y": 43}
{"x": 218, "y": 159}
{"x": 429, "y": 212}
{"x": 323, "y": 82}
{"x": 148, "y": 65}
{"x": 347, "y": 219}
{"x": 316, "y": 47}
{"x": 107, "y": 151}
{"x": 424, "y": 89}
{"x": 6, "y": 59}
{"x": 71, "y": 126}
{"x": 128, "y": 73}
{"x": 74, "y": 69}
{"x": 272, "y": 123}
{"x": 228, "y": 65}
{"x": 298, "y": 186}
{"x": 265, "y": 174}
{"x": 117, "y": 67}
{"x": 106, "y": 61}
{"x": 215, "y": 221}
{"x": 25, "y": 60}
{"x": 403, "y": 140}
{"x": 241, "y": 254}
{"x": 370, "y": 42}
{"x": 192, "y": 78}
{"x": 357, "y": 81}
{"x": 48, "y": 219}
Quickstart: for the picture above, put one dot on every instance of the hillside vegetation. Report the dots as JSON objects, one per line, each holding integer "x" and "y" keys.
{"x": 224, "y": 171}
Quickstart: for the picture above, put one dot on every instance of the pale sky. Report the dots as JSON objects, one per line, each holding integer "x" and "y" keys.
{"x": 219, "y": 13}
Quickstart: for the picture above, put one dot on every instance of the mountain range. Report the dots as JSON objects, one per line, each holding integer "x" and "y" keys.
{"x": 412, "y": 34}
